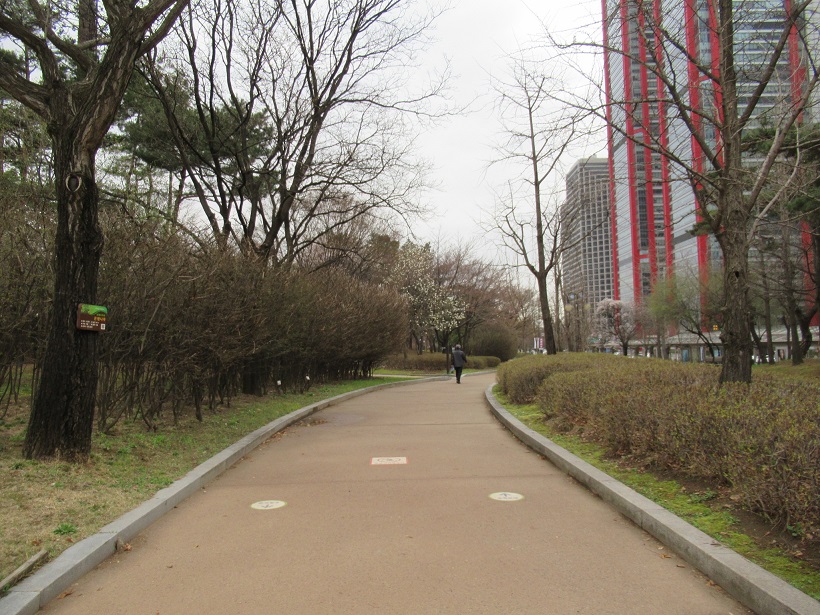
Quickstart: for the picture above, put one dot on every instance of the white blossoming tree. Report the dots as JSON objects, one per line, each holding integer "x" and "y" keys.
{"x": 435, "y": 312}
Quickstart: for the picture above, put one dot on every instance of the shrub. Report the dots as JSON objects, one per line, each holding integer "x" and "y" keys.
{"x": 412, "y": 361}
{"x": 27, "y": 222}
{"x": 760, "y": 440}
{"x": 200, "y": 324}
{"x": 434, "y": 362}
{"x": 483, "y": 362}
{"x": 520, "y": 379}
{"x": 495, "y": 340}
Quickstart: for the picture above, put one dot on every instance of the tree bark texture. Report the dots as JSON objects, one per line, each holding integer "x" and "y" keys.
{"x": 546, "y": 316}
{"x": 62, "y": 415}
{"x": 736, "y": 333}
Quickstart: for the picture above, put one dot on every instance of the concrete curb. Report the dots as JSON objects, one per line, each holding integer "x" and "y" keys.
{"x": 34, "y": 592}
{"x": 747, "y": 582}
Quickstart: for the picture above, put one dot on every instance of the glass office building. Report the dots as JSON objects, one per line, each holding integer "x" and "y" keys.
{"x": 660, "y": 56}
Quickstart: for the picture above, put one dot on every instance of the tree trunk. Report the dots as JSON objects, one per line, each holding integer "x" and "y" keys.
{"x": 767, "y": 316}
{"x": 790, "y": 293}
{"x": 804, "y": 321}
{"x": 736, "y": 335}
{"x": 254, "y": 377}
{"x": 62, "y": 414}
{"x": 559, "y": 346}
{"x": 661, "y": 339}
{"x": 733, "y": 225}
{"x": 546, "y": 316}
{"x": 77, "y": 95}
{"x": 765, "y": 347}
{"x": 794, "y": 341}
{"x": 759, "y": 344}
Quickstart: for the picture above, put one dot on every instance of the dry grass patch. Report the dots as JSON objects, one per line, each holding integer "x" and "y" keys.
{"x": 51, "y": 505}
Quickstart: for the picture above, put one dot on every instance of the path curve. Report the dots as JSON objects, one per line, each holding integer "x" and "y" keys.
{"x": 382, "y": 504}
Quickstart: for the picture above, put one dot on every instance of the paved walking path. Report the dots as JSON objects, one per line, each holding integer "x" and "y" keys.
{"x": 363, "y": 532}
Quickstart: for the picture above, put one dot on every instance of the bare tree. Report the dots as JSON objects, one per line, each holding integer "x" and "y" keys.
{"x": 306, "y": 111}
{"x": 789, "y": 284}
{"x": 518, "y": 306}
{"x": 787, "y": 237}
{"x": 84, "y": 62}
{"x": 693, "y": 303}
{"x": 730, "y": 85}
{"x": 537, "y": 135}
{"x": 578, "y": 317}
{"x": 476, "y": 282}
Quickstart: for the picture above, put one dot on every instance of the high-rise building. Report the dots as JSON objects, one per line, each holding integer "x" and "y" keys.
{"x": 586, "y": 234}
{"x": 654, "y": 158}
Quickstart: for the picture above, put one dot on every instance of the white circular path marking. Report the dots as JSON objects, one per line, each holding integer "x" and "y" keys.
{"x": 268, "y": 504}
{"x": 506, "y": 496}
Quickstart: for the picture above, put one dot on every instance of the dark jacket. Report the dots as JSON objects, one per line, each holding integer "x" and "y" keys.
{"x": 459, "y": 358}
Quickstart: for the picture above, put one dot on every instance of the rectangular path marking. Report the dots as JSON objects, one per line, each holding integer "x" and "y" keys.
{"x": 388, "y": 461}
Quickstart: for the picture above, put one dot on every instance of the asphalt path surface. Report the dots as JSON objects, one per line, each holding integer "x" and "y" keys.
{"x": 408, "y": 500}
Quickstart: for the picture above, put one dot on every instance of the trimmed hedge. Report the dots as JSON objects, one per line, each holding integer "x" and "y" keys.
{"x": 520, "y": 379}
{"x": 761, "y": 440}
{"x": 480, "y": 362}
{"x": 434, "y": 362}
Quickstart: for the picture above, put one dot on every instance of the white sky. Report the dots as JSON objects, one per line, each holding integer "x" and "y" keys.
{"x": 477, "y": 35}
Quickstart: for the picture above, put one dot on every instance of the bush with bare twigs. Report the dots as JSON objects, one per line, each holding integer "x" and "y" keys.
{"x": 759, "y": 440}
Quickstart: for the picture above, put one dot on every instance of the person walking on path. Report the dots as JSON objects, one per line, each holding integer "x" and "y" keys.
{"x": 459, "y": 361}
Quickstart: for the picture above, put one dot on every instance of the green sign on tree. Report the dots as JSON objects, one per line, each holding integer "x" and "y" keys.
{"x": 91, "y": 317}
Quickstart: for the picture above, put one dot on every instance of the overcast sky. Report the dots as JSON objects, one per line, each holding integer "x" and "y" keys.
{"x": 477, "y": 36}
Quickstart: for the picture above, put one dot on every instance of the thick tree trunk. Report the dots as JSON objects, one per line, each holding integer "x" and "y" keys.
{"x": 63, "y": 410}
{"x": 791, "y": 316}
{"x": 78, "y": 112}
{"x": 734, "y": 219}
{"x": 794, "y": 341}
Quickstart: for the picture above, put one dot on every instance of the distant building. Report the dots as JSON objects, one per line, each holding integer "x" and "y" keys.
{"x": 586, "y": 234}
